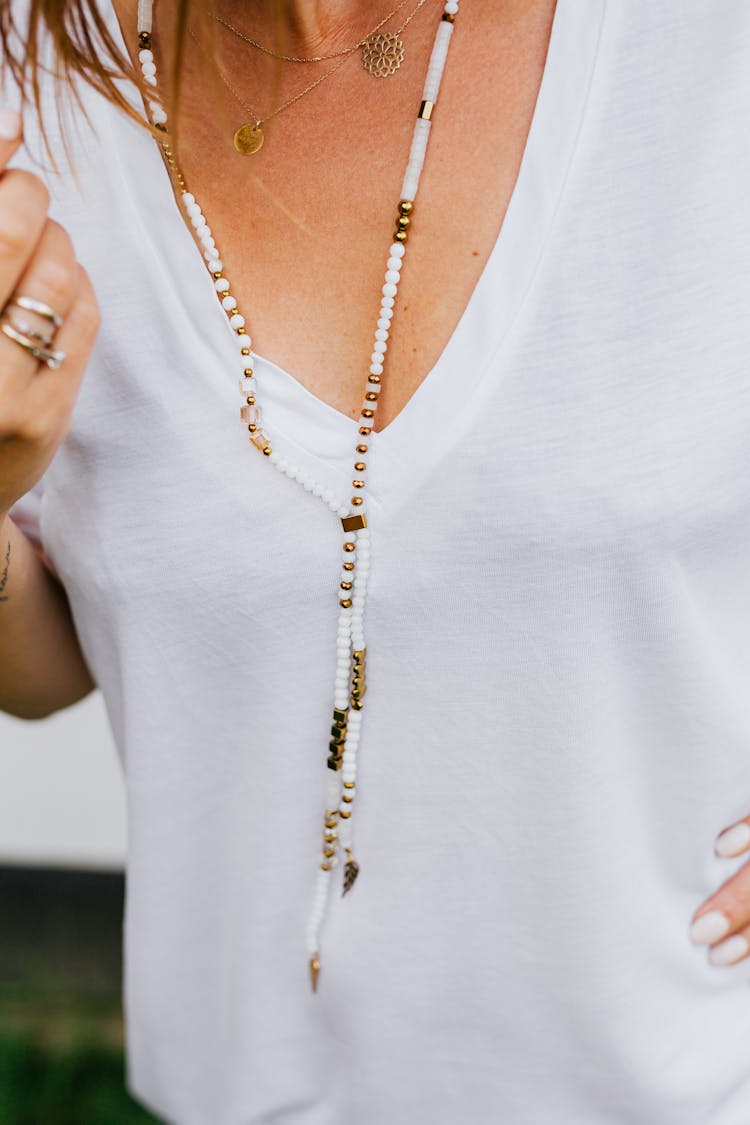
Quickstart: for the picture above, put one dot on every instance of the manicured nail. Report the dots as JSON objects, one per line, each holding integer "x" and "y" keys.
{"x": 10, "y": 124}
{"x": 728, "y": 951}
{"x": 733, "y": 840}
{"x": 709, "y": 927}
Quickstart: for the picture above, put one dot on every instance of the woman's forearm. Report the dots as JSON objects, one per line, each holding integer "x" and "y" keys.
{"x": 42, "y": 668}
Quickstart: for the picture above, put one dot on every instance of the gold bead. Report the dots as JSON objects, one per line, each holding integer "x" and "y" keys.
{"x": 448, "y": 17}
{"x": 349, "y": 784}
{"x": 267, "y": 450}
{"x": 360, "y": 466}
{"x": 325, "y": 867}
{"x": 357, "y": 500}
{"x": 348, "y": 566}
{"x": 328, "y": 852}
{"x": 406, "y": 206}
{"x": 241, "y": 331}
{"x": 403, "y": 222}
{"x": 400, "y": 236}
{"x": 248, "y": 371}
{"x": 365, "y": 431}
{"x": 345, "y": 603}
{"x": 244, "y": 351}
{"x": 252, "y": 427}
{"x": 346, "y": 585}
{"x": 346, "y": 800}
{"x": 358, "y": 484}
{"x": 348, "y": 546}
{"x": 373, "y": 378}
{"x": 368, "y": 412}
{"x": 331, "y": 821}
{"x": 233, "y": 312}
{"x": 345, "y": 814}
{"x": 216, "y": 277}
{"x": 361, "y": 449}
{"x": 371, "y": 396}
{"x": 251, "y": 400}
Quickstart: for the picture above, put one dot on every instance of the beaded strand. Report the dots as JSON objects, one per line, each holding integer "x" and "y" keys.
{"x": 351, "y": 651}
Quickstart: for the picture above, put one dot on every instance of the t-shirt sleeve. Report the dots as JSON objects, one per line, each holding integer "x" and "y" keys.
{"x": 26, "y": 514}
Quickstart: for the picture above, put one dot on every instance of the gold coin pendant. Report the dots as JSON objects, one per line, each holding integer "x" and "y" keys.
{"x": 248, "y": 139}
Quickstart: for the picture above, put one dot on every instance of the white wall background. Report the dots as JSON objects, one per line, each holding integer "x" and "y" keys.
{"x": 62, "y": 801}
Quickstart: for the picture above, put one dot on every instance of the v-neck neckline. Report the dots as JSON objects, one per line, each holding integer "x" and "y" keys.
{"x": 315, "y": 429}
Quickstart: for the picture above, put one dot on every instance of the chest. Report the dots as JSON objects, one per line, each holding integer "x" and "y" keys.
{"x": 304, "y": 225}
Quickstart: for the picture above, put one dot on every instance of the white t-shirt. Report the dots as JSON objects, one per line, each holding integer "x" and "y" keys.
{"x": 558, "y": 712}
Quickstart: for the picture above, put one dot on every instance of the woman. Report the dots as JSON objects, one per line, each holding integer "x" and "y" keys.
{"x": 550, "y": 560}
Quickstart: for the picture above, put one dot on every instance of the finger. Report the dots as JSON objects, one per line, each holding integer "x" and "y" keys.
{"x": 51, "y": 276}
{"x": 10, "y": 134}
{"x": 24, "y": 200}
{"x": 732, "y": 949}
{"x": 76, "y": 338}
{"x": 735, "y": 839}
{"x": 725, "y": 912}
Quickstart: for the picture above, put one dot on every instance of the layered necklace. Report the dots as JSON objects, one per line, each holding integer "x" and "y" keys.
{"x": 349, "y": 688}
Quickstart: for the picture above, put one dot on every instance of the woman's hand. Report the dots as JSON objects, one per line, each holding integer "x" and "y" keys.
{"x": 723, "y": 920}
{"x": 36, "y": 260}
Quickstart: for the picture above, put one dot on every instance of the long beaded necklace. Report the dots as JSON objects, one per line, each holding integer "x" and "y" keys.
{"x": 350, "y": 679}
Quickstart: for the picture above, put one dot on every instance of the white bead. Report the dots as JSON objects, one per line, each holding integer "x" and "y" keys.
{"x": 387, "y": 314}
{"x": 221, "y": 285}
{"x": 196, "y": 216}
{"x": 381, "y": 334}
{"x": 376, "y": 368}
{"x": 394, "y": 264}
{"x": 146, "y": 55}
{"x": 282, "y": 465}
{"x": 389, "y": 289}
{"x": 216, "y": 265}
{"x": 383, "y": 322}
{"x": 397, "y": 250}
{"x": 392, "y": 276}
{"x": 159, "y": 116}
{"x": 387, "y": 303}
{"x": 188, "y": 198}
{"x": 334, "y": 506}
{"x": 227, "y": 302}
{"x": 376, "y": 357}
{"x": 380, "y": 346}
{"x": 149, "y": 79}
{"x": 148, "y": 68}
{"x": 192, "y": 208}
{"x": 237, "y": 321}
{"x": 317, "y": 490}
{"x": 203, "y": 231}
{"x": 451, "y": 7}
{"x": 342, "y": 511}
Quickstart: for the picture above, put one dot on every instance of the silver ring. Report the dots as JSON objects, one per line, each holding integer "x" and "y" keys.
{"x": 32, "y": 305}
{"x": 46, "y": 355}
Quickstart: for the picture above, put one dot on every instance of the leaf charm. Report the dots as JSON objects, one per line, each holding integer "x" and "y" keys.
{"x": 351, "y": 871}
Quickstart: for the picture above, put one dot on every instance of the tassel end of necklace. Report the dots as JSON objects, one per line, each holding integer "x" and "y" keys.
{"x": 314, "y": 971}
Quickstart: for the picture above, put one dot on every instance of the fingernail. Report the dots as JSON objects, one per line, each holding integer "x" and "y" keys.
{"x": 728, "y": 951}
{"x": 709, "y": 927}
{"x": 733, "y": 840}
{"x": 10, "y": 123}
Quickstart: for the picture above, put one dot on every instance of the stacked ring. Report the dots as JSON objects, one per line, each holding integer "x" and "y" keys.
{"x": 34, "y": 341}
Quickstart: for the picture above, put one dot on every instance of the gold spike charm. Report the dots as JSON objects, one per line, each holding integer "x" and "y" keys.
{"x": 351, "y": 871}
{"x": 314, "y": 970}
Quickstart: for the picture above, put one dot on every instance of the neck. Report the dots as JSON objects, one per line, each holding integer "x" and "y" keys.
{"x": 309, "y": 25}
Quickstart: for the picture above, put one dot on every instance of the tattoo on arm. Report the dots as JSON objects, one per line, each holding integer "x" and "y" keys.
{"x": 4, "y": 575}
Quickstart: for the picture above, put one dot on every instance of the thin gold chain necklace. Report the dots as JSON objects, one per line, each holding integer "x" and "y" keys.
{"x": 249, "y": 137}
{"x": 382, "y": 54}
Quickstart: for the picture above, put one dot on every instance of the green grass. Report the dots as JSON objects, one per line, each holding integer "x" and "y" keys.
{"x": 61, "y": 1059}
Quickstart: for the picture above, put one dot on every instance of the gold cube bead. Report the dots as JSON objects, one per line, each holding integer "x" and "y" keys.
{"x": 340, "y": 714}
{"x": 425, "y": 110}
{"x": 357, "y": 704}
{"x": 353, "y": 523}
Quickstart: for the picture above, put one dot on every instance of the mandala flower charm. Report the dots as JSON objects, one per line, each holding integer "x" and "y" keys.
{"x": 382, "y": 54}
